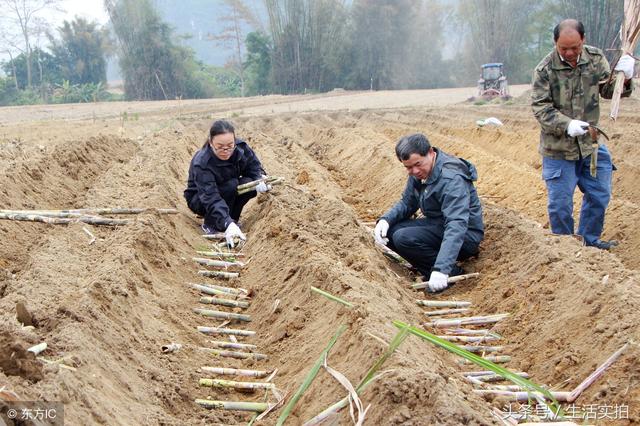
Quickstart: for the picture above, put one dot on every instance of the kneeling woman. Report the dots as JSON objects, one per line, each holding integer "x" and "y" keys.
{"x": 216, "y": 170}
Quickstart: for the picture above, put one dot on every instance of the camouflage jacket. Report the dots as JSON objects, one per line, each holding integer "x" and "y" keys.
{"x": 562, "y": 93}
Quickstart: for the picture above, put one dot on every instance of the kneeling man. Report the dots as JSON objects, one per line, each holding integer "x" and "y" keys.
{"x": 441, "y": 186}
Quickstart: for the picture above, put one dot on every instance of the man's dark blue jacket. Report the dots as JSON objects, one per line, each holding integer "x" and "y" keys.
{"x": 449, "y": 199}
{"x": 215, "y": 181}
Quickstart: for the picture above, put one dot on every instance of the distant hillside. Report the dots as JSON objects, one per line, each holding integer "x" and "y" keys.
{"x": 199, "y": 19}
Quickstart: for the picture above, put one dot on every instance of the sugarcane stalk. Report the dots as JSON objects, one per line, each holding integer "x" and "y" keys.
{"x": 469, "y": 332}
{"x": 499, "y": 359}
{"x": 524, "y": 396}
{"x": 224, "y": 302}
{"x": 457, "y": 322}
{"x": 222, "y": 315}
{"x": 256, "y": 182}
{"x": 89, "y": 211}
{"x": 496, "y": 377}
{"x": 510, "y": 388}
{"x": 219, "y": 274}
{"x": 219, "y": 383}
{"x": 258, "y": 407}
{"x": 214, "y": 236}
{"x": 493, "y": 373}
{"x": 597, "y": 373}
{"x": 217, "y": 263}
{"x": 443, "y": 303}
{"x": 233, "y": 345}
{"x": 446, "y": 312}
{"x": 219, "y": 254}
{"x": 476, "y": 349}
{"x": 450, "y": 280}
{"x": 210, "y": 290}
{"x": 251, "y": 186}
{"x": 331, "y": 297}
{"x": 235, "y": 354}
{"x": 231, "y": 331}
{"x": 235, "y": 291}
{"x": 468, "y": 339}
{"x": 235, "y": 372}
{"x": 92, "y": 220}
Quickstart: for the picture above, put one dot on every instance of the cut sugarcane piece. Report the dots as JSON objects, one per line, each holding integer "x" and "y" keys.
{"x": 236, "y": 291}
{"x": 446, "y": 311}
{"x": 224, "y": 302}
{"x": 235, "y": 354}
{"x": 219, "y": 383}
{"x": 219, "y": 274}
{"x": 469, "y": 332}
{"x": 37, "y": 349}
{"x": 468, "y": 339}
{"x": 510, "y": 388}
{"x": 450, "y": 280}
{"x": 457, "y": 322}
{"x": 236, "y": 372}
{"x": 498, "y": 359}
{"x": 222, "y": 315}
{"x": 443, "y": 303}
{"x": 480, "y": 349}
{"x": 214, "y": 236}
{"x": 524, "y": 396}
{"x": 225, "y": 331}
{"x": 233, "y": 345}
{"x": 219, "y": 254}
{"x": 258, "y": 407}
{"x": 495, "y": 378}
{"x": 256, "y": 182}
{"x": 210, "y": 290}
{"x": 492, "y": 373}
{"x": 217, "y": 263}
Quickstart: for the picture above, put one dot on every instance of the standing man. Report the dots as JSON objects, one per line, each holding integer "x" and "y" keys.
{"x": 441, "y": 186}
{"x": 567, "y": 85}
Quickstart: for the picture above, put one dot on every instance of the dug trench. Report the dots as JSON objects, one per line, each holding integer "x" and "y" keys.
{"x": 108, "y": 307}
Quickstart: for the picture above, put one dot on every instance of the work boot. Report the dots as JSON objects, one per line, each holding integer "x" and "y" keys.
{"x": 604, "y": 245}
{"x": 456, "y": 270}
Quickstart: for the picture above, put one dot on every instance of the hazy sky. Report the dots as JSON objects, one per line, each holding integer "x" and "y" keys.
{"x": 92, "y": 10}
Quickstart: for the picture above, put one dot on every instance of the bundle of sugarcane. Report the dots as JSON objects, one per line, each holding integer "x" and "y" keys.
{"x": 629, "y": 35}
{"x": 251, "y": 186}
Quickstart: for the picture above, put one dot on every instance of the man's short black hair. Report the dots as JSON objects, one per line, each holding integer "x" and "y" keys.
{"x": 412, "y": 144}
{"x": 568, "y": 23}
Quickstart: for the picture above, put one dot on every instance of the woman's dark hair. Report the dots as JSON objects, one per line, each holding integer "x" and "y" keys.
{"x": 412, "y": 144}
{"x": 568, "y": 23}
{"x": 220, "y": 127}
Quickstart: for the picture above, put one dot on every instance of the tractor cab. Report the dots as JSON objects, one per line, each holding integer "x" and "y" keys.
{"x": 492, "y": 82}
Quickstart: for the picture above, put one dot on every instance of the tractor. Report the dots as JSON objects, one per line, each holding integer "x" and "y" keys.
{"x": 493, "y": 83}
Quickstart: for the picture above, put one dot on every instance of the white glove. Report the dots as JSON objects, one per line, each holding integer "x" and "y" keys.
{"x": 626, "y": 64}
{"x": 263, "y": 187}
{"x": 380, "y": 232}
{"x": 577, "y": 128}
{"x": 438, "y": 281}
{"x": 233, "y": 231}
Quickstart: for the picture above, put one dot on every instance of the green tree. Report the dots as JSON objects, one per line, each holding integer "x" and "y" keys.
{"x": 17, "y": 68}
{"x": 152, "y": 64}
{"x": 258, "y": 64}
{"x": 307, "y": 37}
{"x": 496, "y": 31}
{"x": 81, "y": 51}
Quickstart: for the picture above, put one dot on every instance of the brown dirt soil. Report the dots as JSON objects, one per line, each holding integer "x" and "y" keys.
{"x": 108, "y": 307}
